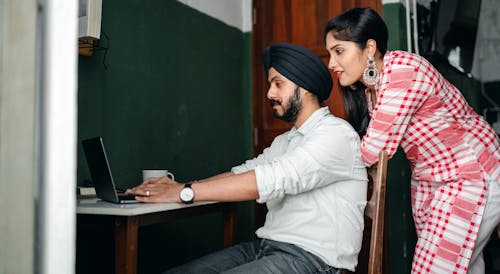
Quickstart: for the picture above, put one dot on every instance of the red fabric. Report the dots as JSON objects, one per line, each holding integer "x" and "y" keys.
{"x": 452, "y": 152}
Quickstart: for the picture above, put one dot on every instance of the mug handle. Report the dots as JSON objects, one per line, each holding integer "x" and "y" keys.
{"x": 171, "y": 175}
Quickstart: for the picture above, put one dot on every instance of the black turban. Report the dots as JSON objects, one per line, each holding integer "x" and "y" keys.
{"x": 300, "y": 66}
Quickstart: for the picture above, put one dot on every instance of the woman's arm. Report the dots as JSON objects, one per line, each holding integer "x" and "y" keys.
{"x": 404, "y": 90}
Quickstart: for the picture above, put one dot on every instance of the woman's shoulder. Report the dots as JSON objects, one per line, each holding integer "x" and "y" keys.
{"x": 404, "y": 57}
{"x": 399, "y": 58}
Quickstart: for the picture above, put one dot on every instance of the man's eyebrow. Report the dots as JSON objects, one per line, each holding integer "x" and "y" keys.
{"x": 274, "y": 78}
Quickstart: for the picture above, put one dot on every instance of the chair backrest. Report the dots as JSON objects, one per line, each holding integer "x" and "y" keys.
{"x": 375, "y": 210}
{"x": 370, "y": 259}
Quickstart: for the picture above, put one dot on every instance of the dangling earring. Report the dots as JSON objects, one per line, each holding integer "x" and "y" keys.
{"x": 370, "y": 75}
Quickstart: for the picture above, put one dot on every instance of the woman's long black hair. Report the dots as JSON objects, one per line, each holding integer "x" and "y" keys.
{"x": 358, "y": 25}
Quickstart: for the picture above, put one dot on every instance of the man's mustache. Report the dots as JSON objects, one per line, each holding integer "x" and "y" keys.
{"x": 273, "y": 102}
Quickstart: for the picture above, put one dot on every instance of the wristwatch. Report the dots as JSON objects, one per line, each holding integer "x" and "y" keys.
{"x": 187, "y": 194}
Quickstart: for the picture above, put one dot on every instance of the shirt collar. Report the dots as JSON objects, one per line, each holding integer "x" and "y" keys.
{"x": 310, "y": 123}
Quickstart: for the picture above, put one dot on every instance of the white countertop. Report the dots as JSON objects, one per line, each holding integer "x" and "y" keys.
{"x": 100, "y": 207}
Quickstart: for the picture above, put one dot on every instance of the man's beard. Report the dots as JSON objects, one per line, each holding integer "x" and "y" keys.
{"x": 294, "y": 106}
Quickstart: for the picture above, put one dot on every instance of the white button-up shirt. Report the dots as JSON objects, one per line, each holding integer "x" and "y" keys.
{"x": 314, "y": 183}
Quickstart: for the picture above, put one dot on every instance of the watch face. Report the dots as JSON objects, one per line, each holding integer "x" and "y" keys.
{"x": 187, "y": 194}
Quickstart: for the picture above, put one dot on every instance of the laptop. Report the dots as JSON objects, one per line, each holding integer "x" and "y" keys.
{"x": 100, "y": 172}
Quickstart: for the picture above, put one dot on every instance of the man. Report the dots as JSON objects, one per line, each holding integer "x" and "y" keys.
{"x": 311, "y": 177}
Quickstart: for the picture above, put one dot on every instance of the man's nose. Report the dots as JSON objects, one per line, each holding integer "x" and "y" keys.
{"x": 271, "y": 93}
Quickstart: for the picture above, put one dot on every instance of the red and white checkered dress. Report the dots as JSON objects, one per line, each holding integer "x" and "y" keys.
{"x": 452, "y": 152}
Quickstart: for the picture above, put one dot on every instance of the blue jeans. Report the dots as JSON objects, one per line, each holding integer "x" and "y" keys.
{"x": 260, "y": 256}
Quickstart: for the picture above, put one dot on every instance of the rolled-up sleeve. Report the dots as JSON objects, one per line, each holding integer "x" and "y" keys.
{"x": 324, "y": 156}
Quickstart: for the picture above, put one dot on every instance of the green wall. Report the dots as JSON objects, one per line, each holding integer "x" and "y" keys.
{"x": 172, "y": 90}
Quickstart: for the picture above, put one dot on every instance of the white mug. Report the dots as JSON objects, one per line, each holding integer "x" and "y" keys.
{"x": 156, "y": 173}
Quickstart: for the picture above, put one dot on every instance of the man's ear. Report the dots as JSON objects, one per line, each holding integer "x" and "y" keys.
{"x": 307, "y": 94}
{"x": 304, "y": 92}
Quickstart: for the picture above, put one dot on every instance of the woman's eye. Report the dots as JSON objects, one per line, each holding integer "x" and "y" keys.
{"x": 339, "y": 51}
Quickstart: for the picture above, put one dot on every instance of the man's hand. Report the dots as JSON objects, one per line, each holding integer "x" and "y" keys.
{"x": 157, "y": 190}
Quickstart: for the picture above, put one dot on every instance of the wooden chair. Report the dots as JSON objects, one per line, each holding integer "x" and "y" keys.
{"x": 375, "y": 211}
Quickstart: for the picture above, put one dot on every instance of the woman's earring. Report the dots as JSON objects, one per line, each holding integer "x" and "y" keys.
{"x": 370, "y": 75}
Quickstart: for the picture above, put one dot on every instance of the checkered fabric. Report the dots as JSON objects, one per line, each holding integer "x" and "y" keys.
{"x": 452, "y": 152}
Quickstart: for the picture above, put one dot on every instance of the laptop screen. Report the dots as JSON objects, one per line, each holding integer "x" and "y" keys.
{"x": 100, "y": 171}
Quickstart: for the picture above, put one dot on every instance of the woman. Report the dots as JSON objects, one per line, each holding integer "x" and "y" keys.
{"x": 454, "y": 153}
